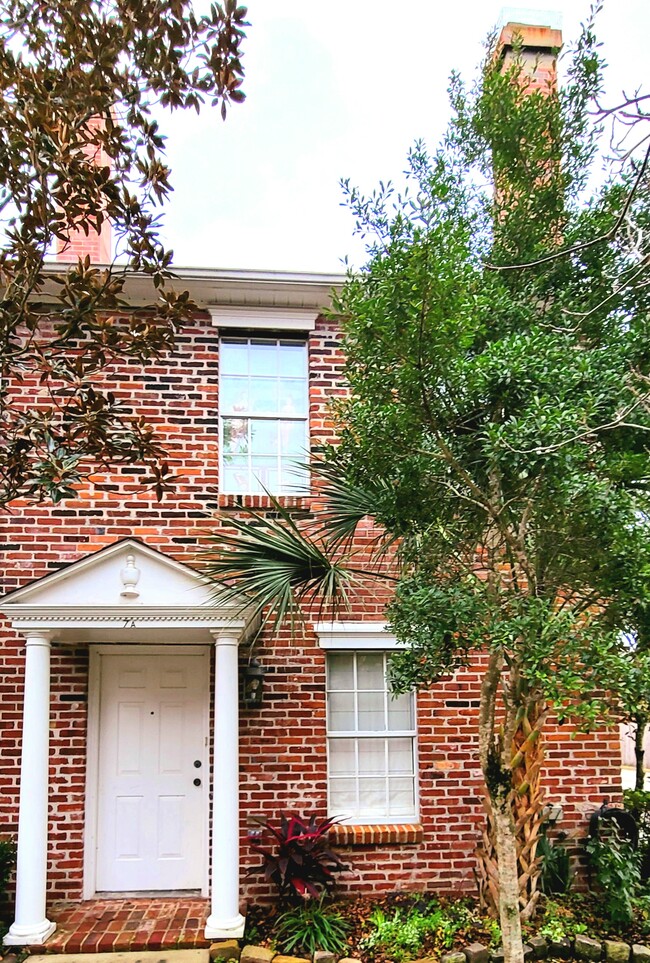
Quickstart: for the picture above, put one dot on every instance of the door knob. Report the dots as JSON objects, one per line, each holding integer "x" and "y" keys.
{"x": 197, "y": 782}
{"x": 197, "y": 763}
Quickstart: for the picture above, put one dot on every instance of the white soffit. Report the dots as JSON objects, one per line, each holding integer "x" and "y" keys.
{"x": 266, "y": 318}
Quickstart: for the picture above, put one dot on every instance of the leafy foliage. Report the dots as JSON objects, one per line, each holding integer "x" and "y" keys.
{"x": 637, "y": 802}
{"x": 311, "y": 927}
{"x": 401, "y": 936}
{"x": 79, "y": 82}
{"x": 616, "y": 867}
{"x": 271, "y": 562}
{"x": 555, "y": 876}
{"x": 299, "y": 860}
{"x": 7, "y": 862}
{"x": 558, "y": 922}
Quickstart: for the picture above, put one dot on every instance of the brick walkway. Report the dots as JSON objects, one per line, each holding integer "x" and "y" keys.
{"x": 98, "y": 926}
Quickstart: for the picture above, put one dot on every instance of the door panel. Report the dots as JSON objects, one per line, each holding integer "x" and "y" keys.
{"x": 150, "y": 832}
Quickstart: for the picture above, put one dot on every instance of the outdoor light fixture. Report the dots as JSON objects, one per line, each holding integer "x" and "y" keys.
{"x": 553, "y": 814}
{"x": 253, "y": 684}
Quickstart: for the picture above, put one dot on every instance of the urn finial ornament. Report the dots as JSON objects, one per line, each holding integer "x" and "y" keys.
{"x": 130, "y": 576}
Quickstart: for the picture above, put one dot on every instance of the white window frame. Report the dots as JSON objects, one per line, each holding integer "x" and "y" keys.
{"x": 249, "y": 339}
{"x": 360, "y": 637}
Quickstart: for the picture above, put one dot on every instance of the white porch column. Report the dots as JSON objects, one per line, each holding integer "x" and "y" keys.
{"x": 31, "y": 925}
{"x": 225, "y": 920}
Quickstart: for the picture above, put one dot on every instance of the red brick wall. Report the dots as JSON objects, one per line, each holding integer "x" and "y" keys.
{"x": 283, "y": 755}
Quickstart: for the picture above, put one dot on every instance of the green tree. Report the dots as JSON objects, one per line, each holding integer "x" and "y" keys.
{"x": 625, "y": 581}
{"x": 496, "y": 430}
{"x": 79, "y": 144}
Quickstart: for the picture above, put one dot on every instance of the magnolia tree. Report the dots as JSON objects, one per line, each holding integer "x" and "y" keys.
{"x": 79, "y": 80}
{"x": 496, "y": 430}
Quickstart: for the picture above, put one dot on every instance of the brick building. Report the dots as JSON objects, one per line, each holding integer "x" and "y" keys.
{"x": 141, "y": 770}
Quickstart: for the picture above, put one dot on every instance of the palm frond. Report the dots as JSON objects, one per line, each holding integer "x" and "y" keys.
{"x": 270, "y": 564}
{"x": 347, "y": 504}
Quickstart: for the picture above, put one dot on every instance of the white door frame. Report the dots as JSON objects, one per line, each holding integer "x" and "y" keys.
{"x": 92, "y": 757}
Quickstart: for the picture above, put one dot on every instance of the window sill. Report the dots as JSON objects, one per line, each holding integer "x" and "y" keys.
{"x": 300, "y": 503}
{"x": 394, "y": 833}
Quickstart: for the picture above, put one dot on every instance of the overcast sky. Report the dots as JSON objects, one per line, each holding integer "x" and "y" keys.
{"x": 340, "y": 89}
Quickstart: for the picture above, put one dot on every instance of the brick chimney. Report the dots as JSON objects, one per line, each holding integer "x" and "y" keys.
{"x": 97, "y": 246}
{"x": 539, "y": 45}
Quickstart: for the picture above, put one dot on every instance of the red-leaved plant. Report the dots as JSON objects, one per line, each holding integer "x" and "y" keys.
{"x": 298, "y": 861}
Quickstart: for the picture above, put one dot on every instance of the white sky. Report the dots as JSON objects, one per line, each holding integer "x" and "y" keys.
{"x": 339, "y": 89}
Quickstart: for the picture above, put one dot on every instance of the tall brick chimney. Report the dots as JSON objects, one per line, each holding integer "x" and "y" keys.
{"x": 97, "y": 246}
{"x": 539, "y": 44}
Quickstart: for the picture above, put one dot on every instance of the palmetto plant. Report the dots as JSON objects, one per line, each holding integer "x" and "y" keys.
{"x": 275, "y": 567}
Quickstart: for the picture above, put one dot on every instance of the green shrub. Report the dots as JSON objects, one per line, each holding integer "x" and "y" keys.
{"x": 637, "y": 802}
{"x": 311, "y": 927}
{"x": 555, "y": 877}
{"x": 641, "y": 910}
{"x": 493, "y": 929}
{"x": 617, "y": 871}
{"x": 7, "y": 862}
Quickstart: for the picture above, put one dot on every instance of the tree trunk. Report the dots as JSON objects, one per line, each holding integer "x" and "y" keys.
{"x": 641, "y": 722}
{"x": 506, "y": 848}
{"x": 495, "y": 741}
{"x": 527, "y": 809}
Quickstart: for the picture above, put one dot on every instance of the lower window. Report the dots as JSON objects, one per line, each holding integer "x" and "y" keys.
{"x": 371, "y": 741}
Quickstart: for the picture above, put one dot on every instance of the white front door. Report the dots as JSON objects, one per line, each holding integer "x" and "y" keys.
{"x": 153, "y": 771}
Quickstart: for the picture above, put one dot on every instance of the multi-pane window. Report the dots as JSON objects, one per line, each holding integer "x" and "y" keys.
{"x": 264, "y": 409}
{"x": 371, "y": 741}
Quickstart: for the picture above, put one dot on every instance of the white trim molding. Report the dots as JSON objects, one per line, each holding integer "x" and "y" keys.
{"x": 356, "y": 635}
{"x": 266, "y": 318}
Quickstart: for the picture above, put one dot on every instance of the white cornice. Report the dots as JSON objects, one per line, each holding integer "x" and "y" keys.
{"x": 150, "y": 614}
{"x": 80, "y": 623}
{"x": 211, "y": 286}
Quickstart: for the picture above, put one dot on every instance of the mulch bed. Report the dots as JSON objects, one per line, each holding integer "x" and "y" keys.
{"x": 581, "y": 908}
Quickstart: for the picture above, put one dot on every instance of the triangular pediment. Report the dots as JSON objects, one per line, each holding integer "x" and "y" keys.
{"x": 126, "y": 573}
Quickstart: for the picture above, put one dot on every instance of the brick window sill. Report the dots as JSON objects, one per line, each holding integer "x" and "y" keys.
{"x": 399, "y": 834}
{"x": 298, "y": 503}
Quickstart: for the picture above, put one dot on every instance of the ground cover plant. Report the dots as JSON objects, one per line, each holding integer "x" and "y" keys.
{"x": 403, "y": 933}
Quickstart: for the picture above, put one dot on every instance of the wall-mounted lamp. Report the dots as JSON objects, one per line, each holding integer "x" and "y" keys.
{"x": 553, "y": 814}
{"x": 253, "y": 684}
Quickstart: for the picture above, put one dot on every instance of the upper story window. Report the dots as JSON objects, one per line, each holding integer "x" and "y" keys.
{"x": 264, "y": 408}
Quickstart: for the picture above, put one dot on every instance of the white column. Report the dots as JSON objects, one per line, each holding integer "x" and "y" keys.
{"x": 31, "y": 925}
{"x": 225, "y": 920}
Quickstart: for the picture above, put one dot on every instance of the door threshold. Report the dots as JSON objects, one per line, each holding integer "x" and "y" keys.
{"x": 150, "y": 894}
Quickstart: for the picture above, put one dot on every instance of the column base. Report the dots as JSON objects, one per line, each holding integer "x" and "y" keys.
{"x": 29, "y": 935}
{"x": 218, "y": 928}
